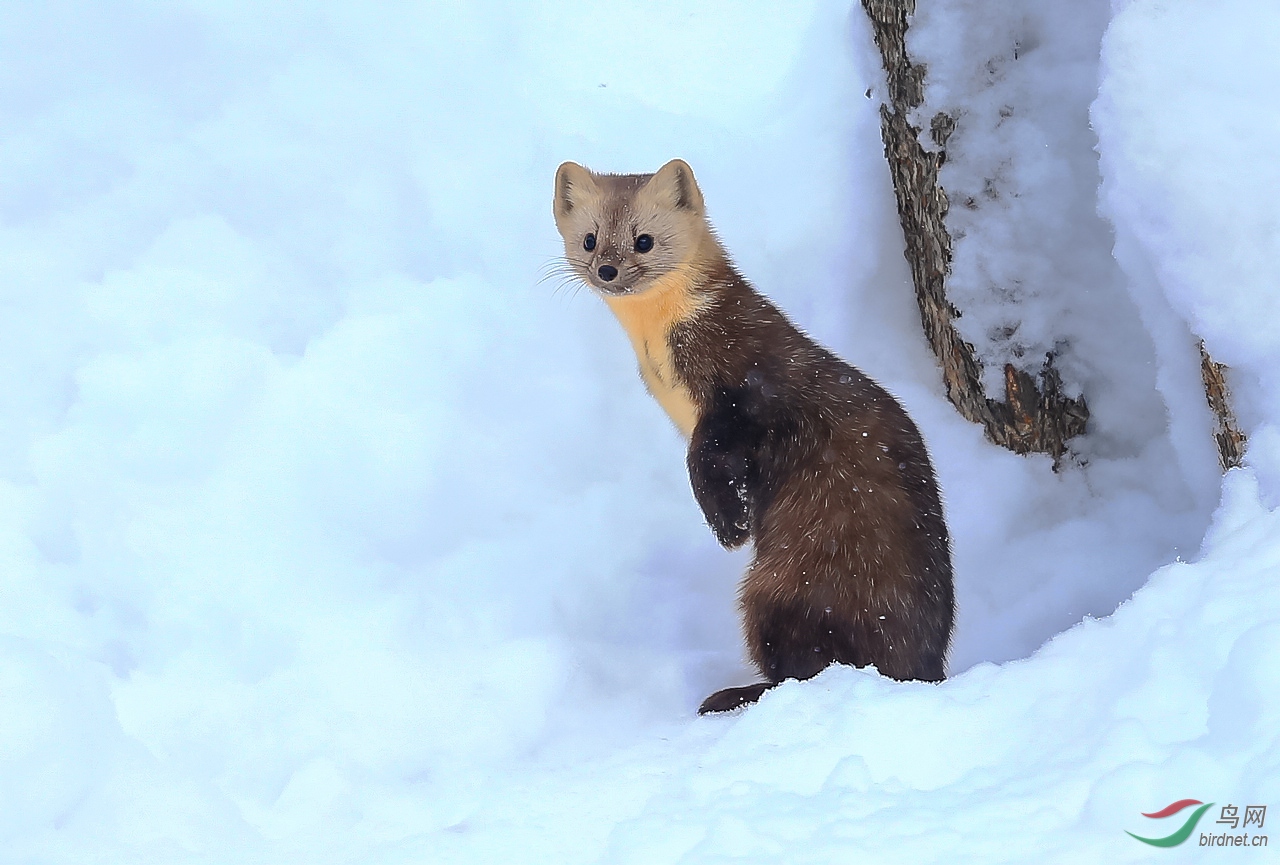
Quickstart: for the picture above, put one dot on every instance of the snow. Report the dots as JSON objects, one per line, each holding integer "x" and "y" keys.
{"x": 332, "y": 531}
{"x": 1021, "y": 175}
{"x": 1189, "y": 181}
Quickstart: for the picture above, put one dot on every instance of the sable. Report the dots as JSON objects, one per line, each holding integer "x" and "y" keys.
{"x": 789, "y": 447}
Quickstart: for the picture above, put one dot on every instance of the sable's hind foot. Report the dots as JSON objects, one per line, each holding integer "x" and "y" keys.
{"x": 733, "y": 698}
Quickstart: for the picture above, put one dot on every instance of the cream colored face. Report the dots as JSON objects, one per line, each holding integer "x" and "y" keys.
{"x": 623, "y": 231}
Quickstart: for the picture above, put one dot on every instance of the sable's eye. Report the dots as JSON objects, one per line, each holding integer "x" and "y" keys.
{"x": 644, "y": 243}
{"x": 589, "y": 243}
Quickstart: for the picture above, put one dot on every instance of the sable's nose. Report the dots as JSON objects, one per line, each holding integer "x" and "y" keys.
{"x": 607, "y": 272}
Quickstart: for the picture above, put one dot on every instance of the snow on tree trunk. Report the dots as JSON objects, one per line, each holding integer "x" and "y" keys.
{"x": 1035, "y": 415}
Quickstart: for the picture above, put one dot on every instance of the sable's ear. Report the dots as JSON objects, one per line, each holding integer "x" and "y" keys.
{"x": 674, "y": 185}
{"x": 572, "y": 180}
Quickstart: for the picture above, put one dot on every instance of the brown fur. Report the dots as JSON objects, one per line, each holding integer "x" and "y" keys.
{"x": 789, "y": 446}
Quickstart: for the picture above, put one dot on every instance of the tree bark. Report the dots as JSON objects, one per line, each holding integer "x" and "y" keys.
{"x": 1226, "y": 432}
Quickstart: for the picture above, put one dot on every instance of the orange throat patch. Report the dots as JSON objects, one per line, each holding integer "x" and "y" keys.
{"x": 648, "y": 318}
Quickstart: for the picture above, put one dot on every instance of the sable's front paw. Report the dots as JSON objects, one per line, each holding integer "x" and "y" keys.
{"x": 732, "y": 535}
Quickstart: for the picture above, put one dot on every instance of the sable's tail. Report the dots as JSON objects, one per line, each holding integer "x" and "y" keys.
{"x": 733, "y": 698}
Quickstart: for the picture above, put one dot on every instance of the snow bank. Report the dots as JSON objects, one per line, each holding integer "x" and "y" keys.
{"x": 330, "y": 533}
{"x": 1187, "y": 156}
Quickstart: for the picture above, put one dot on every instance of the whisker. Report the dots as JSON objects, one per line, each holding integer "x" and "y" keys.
{"x": 574, "y": 283}
{"x": 558, "y": 268}
{"x": 565, "y": 273}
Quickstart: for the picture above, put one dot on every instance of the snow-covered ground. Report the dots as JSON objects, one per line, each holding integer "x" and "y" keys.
{"x": 331, "y": 531}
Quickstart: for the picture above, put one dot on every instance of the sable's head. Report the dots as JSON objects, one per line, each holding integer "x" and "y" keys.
{"x": 623, "y": 231}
